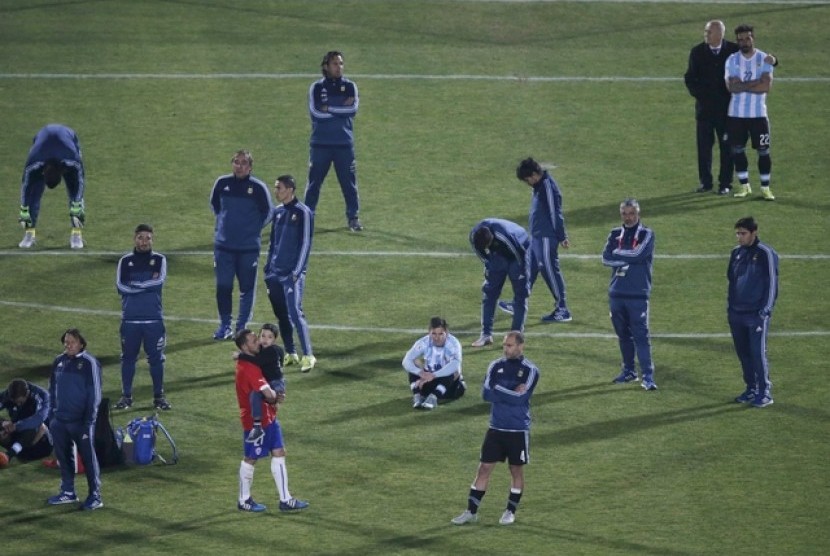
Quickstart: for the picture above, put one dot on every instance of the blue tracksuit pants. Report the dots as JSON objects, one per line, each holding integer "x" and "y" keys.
{"x": 545, "y": 251}
{"x": 286, "y": 297}
{"x": 242, "y": 266}
{"x": 497, "y": 270}
{"x": 749, "y": 334}
{"x": 134, "y": 335}
{"x": 320, "y": 160}
{"x": 63, "y": 435}
{"x": 630, "y": 319}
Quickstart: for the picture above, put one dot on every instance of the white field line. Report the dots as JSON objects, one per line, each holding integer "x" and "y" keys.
{"x": 701, "y": 2}
{"x": 404, "y": 331}
{"x": 421, "y": 254}
{"x": 381, "y": 76}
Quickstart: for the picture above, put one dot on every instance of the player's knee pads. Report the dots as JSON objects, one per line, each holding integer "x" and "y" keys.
{"x": 738, "y": 149}
{"x": 763, "y": 152}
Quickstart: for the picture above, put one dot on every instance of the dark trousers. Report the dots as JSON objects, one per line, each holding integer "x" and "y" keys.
{"x": 151, "y": 335}
{"x": 749, "y": 334}
{"x": 320, "y": 161}
{"x": 286, "y": 297}
{"x": 228, "y": 265}
{"x": 708, "y": 129}
{"x": 630, "y": 319}
{"x": 63, "y": 435}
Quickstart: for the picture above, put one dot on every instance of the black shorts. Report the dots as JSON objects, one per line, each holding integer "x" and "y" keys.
{"x": 740, "y": 129}
{"x": 41, "y": 449}
{"x": 514, "y": 446}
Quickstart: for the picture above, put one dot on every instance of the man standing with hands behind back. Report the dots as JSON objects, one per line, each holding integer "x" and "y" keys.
{"x": 292, "y": 228}
{"x": 140, "y": 279}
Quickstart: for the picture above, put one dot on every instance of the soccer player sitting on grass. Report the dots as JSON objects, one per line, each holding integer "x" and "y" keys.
{"x": 269, "y": 359}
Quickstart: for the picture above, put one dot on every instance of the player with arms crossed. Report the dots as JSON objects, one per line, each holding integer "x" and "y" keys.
{"x": 508, "y": 386}
{"x": 748, "y": 77}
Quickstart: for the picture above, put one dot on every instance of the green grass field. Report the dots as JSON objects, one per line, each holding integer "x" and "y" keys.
{"x": 453, "y": 95}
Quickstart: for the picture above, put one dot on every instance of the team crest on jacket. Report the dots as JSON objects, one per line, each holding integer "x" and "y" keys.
{"x": 521, "y": 374}
{"x": 153, "y": 262}
{"x": 755, "y": 257}
{"x": 293, "y": 217}
{"x": 250, "y": 190}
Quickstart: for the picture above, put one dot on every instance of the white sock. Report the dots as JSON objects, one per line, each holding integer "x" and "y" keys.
{"x": 246, "y": 479}
{"x": 17, "y": 448}
{"x": 280, "y": 477}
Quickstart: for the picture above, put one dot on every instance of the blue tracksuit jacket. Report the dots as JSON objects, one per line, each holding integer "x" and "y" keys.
{"x": 509, "y": 240}
{"x": 546, "y": 218}
{"x": 54, "y": 142}
{"x": 333, "y": 127}
{"x": 242, "y": 208}
{"x": 75, "y": 388}
{"x": 292, "y": 228}
{"x": 31, "y": 414}
{"x": 510, "y": 411}
{"x": 630, "y": 253}
{"x": 140, "y": 279}
{"x": 753, "y": 279}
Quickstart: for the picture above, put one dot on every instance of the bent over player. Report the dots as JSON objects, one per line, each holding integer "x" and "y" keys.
{"x": 55, "y": 155}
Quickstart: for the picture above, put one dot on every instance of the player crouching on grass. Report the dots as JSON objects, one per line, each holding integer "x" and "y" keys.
{"x": 249, "y": 379}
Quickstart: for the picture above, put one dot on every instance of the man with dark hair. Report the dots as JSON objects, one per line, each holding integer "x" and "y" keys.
{"x": 748, "y": 76}
{"x": 292, "y": 228}
{"x": 242, "y": 205}
{"x": 433, "y": 365}
{"x": 504, "y": 248}
{"x": 25, "y": 434}
{"x": 753, "y": 289}
{"x": 248, "y": 380}
{"x": 332, "y": 105}
{"x": 508, "y": 386}
{"x": 704, "y": 80}
{"x": 75, "y": 392}
{"x": 629, "y": 251}
{"x": 140, "y": 279}
{"x": 547, "y": 233}
{"x": 55, "y": 155}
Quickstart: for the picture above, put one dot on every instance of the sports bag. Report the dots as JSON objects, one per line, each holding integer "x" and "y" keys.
{"x": 144, "y": 431}
{"x": 107, "y": 449}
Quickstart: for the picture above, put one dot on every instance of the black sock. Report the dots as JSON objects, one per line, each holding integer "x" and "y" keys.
{"x": 513, "y": 500}
{"x": 474, "y": 500}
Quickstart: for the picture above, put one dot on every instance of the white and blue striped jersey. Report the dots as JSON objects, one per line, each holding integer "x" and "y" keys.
{"x": 442, "y": 360}
{"x": 747, "y": 104}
